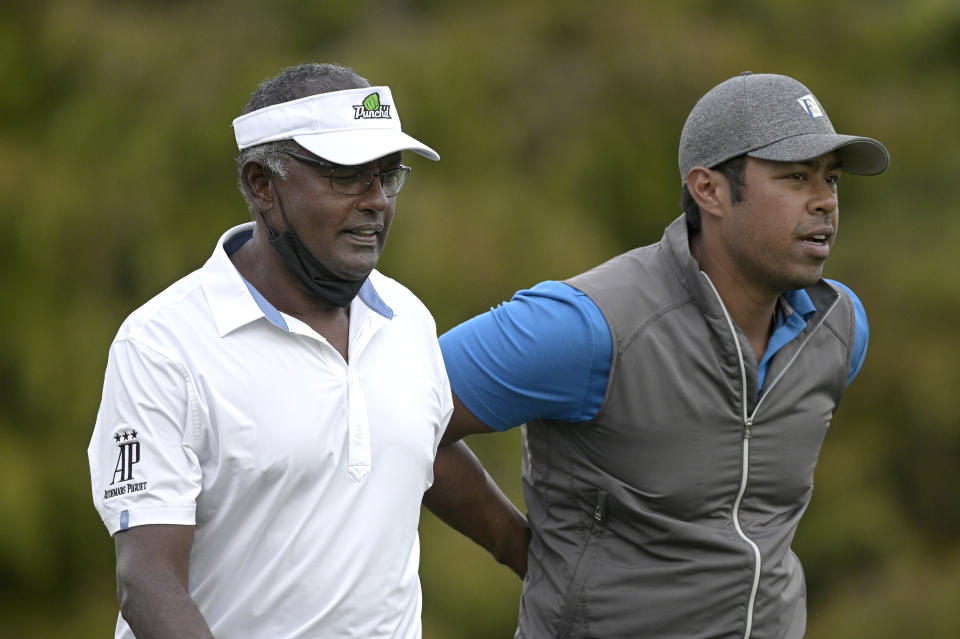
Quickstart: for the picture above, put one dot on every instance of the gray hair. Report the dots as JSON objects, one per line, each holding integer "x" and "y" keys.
{"x": 292, "y": 83}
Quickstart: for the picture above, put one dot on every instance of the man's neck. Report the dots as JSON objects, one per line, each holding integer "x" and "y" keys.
{"x": 751, "y": 307}
{"x": 258, "y": 263}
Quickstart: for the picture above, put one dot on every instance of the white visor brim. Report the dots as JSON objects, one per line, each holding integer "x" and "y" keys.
{"x": 349, "y": 127}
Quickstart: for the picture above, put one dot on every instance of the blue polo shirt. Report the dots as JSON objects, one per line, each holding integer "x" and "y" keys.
{"x": 546, "y": 354}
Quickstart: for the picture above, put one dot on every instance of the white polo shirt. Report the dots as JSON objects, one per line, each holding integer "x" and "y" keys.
{"x": 302, "y": 473}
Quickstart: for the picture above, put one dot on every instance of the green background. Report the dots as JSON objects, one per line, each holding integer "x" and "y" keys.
{"x": 557, "y": 123}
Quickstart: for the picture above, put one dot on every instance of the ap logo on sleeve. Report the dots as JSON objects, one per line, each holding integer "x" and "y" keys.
{"x": 123, "y": 481}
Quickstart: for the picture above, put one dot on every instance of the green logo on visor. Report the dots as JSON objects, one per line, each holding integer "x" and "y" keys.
{"x": 371, "y": 108}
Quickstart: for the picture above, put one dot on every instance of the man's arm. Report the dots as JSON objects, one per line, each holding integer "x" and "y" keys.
{"x": 544, "y": 354}
{"x": 465, "y": 497}
{"x": 152, "y": 576}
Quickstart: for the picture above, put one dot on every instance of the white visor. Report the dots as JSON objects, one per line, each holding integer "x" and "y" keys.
{"x": 349, "y": 127}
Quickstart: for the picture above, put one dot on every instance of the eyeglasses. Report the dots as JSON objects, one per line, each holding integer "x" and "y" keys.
{"x": 347, "y": 180}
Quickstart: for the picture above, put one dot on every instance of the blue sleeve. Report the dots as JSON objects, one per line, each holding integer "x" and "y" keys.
{"x": 545, "y": 354}
{"x": 862, "y": 334}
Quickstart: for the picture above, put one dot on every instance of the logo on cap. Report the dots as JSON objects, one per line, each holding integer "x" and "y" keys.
{"x": 371, "y": 108}
{"x": 811, "y": 106}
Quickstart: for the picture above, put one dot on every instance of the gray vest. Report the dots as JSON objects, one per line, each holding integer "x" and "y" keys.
{"x": 671, "y": 513}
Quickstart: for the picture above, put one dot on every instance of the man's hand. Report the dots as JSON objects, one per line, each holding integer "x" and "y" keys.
{"x": 466, "y": 498}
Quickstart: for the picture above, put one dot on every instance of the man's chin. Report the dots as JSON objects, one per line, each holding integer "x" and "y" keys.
{"x": 806, "y": 282}
{"x": 354, "y": 274}
{"x": 356, "y": 269}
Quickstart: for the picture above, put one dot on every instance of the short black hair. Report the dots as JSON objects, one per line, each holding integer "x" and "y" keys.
{"x": 292, "y": 83}
{"x": 302, "y": 80}
{"x": 733, "y": 171}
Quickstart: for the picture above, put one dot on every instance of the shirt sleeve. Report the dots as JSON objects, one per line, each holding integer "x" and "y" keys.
{"x": 861, "y": 335}
{"x": 545, "y": 354}
{"x": 142, "y": 468}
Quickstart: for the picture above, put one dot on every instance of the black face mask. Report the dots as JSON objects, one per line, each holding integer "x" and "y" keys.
{"x": 309, "y": 270}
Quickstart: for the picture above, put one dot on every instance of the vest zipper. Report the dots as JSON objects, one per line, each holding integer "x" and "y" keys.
{"x": 744, "y": 472}
{"x": 748, "y": 433}
{"x": 745, "y": 466}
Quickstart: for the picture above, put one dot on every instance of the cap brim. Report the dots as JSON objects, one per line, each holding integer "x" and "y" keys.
{"x": 858, "y": 155}
{"x": 362, "y": 146}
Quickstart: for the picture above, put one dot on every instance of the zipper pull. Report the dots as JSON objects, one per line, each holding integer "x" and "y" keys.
{"x": 601, "y": 510}
{"x": 748, "y": 429}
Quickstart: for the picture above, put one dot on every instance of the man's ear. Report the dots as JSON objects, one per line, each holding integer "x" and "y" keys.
{"x": 709, "y": 189}
{"x": 256, "y": 181}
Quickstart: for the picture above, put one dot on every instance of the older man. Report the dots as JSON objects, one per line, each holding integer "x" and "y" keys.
{"x": 269, "y": 423}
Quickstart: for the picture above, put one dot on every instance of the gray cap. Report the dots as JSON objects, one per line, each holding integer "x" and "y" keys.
{"x": 769, "y": 117}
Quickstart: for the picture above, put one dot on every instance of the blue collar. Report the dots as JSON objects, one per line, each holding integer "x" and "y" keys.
{"x": 793, "y": 310}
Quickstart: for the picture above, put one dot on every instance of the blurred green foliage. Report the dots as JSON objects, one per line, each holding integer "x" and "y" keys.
{"x": 557, "y": 122}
